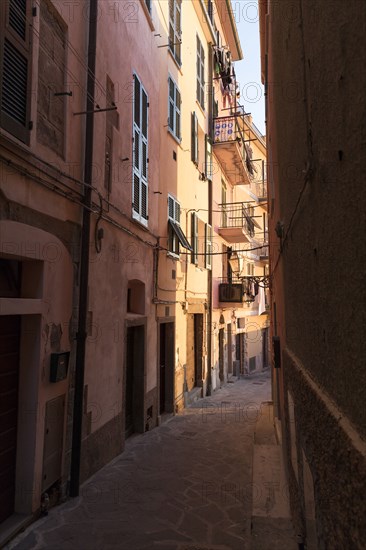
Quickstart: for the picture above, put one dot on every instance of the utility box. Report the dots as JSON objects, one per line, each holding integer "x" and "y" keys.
{"x": 59, "y": 366}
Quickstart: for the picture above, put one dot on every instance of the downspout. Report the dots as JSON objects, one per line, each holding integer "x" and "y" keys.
{"x": 84, "y": 258}
{"x": 209, "y": 198}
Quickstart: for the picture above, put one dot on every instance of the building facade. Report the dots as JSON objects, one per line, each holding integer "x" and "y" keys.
{"x": 312, "y": 59}
{"x": 116, "y": 232}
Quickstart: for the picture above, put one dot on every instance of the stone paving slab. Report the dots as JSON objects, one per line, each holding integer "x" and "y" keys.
{"x": 186, "y": 485}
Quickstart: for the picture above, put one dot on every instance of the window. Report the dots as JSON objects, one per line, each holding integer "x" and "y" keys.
{"x": 140, "y": 153}
{"x": 174, "y": 109}
{"x": 175, "y": 8}
{"x": 194, "y": 138}
{"x": 201, "y": 242}
{"x": 16, "y": 67}
{"x": 176, "y": 236}
{"x": 112, "y": 121}
{"x": 208, "y": 158}
{"x": 194, "y": 238}
{"x": 208, "y": 247}
{"x": 148, "y": 5}
{"x": 200, "y": 74}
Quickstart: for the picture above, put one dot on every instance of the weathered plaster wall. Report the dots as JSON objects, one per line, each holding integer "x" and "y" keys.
{"x": 316, "y": 104}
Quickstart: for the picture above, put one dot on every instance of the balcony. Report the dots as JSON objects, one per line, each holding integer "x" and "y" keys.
{"x": 245, "y": 291}
{"x": 236, "y": 225}
{"x": 258, "y": 184}
{"x": 230, "y": 151}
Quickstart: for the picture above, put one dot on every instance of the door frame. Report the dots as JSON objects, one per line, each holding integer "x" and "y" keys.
{"x": 168, "y": 405}
{"x": 140, "y": 421}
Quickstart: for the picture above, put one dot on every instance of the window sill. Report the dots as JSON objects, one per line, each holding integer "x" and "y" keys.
{"x": 173, "y": 256}
{"x": 142, "y": 224}
{"x": 201, "y": 108}
{"x": 179, "y": 65}
{"x": 178, "y": 140}
{"x": 148, "y": 14}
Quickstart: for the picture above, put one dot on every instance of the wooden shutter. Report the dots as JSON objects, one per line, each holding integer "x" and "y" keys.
{"x": 208, "y": 246}
{"x": 171, "y": 113}
{"x": 194, "y": 238}
{"x": 140, "y": 153}
{"x": 177, "y": 112}
{"x": 201, "y": 244}
{"x": 208, "y": 158}
{"x": 194, "y": 138}
{"x": 15, "y": 67}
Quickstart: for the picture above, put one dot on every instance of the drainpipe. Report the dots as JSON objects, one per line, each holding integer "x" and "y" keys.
{"x": 84, "y": 258}
{"x": 209, "y": 198}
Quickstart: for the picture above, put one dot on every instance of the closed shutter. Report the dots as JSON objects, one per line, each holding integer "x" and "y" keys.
{"x": 200, "y": 74}
{"x": 140, "y": 153}
{"x": 208, "y": 157}
{"x": 177, "y": 113}
{"x": 194, "y": 136}
{"x": 208, "y": 247}
{"x": 194, "y": 238}
{"x": 15, "y": 67}
{"x": 171, "y": 104}
{"x": 201, "y": 244}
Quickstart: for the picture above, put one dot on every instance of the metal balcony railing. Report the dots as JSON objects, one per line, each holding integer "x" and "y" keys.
{"x": 258, "y": 184}
{"x": 235, "y": 214}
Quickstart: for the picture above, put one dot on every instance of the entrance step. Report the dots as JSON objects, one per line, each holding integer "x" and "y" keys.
{"x": 271, "y": 527}
{"x": 191, "y": 397}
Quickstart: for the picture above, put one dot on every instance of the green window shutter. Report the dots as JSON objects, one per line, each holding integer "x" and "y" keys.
{"x": 16, "y": 71}
{"x": 194, "y": 237}
{"x": 194, "y": 140}
{"x": 208, "y": 246}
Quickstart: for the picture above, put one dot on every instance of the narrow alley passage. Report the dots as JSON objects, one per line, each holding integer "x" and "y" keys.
{"x": 187, "y": 485}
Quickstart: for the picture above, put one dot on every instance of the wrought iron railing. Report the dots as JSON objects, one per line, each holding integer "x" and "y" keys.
{"x": 235, "y": 214}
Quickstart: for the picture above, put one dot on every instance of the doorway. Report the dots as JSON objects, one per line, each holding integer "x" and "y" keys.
{"x": 9, "y": 382}
{"x": 265, "y": 348}
{"x": 194, "y": 374}
{"x": 229, "y": 350}
{"x": 135, "y": 380}
{"x": 166, "y": 368}
{"x": 221, "y": 354}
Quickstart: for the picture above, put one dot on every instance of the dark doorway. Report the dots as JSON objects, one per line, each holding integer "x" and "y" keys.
{"x": 198, "y": 348}
{"x": 166, "y": 367}
{"x": 265, "y": 347}
{"x": 194, "y": 373}
{"x": 135, "y": 386}
{"x": 229, "y": 350}
{"x": 9, "y": 382}
{"x": 221, "y": 354}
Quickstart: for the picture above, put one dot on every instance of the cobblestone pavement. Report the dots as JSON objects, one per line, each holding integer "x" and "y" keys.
{"x": 186, "y": 485}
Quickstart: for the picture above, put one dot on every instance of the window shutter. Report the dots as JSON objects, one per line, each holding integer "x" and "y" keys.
{"x": 177, "y": 113}
{"x": 171, "y": 212}
{"x": 140, "y": 153}
{"x": 202, "y": 78}
{"x": 208, "y": 157}
{"x": 15, "y": 68}
{"x": 194, "y": 238}
{"x": 171, "y": 104}
{"x": 177, "y": 212}
{"x": 208, "y": 239}
{"x": 175, "y": 29}
{"x": 194, "y": 138}
{"x": 201, "y": 243}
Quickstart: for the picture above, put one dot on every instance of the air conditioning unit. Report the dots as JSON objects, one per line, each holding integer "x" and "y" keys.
{"x": 230, "y": 292}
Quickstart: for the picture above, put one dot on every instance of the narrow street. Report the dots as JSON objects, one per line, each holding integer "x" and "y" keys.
{"x": 186, "y": 485}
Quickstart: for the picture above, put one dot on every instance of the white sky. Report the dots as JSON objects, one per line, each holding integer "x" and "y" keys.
{"x": 248, "y": 71}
